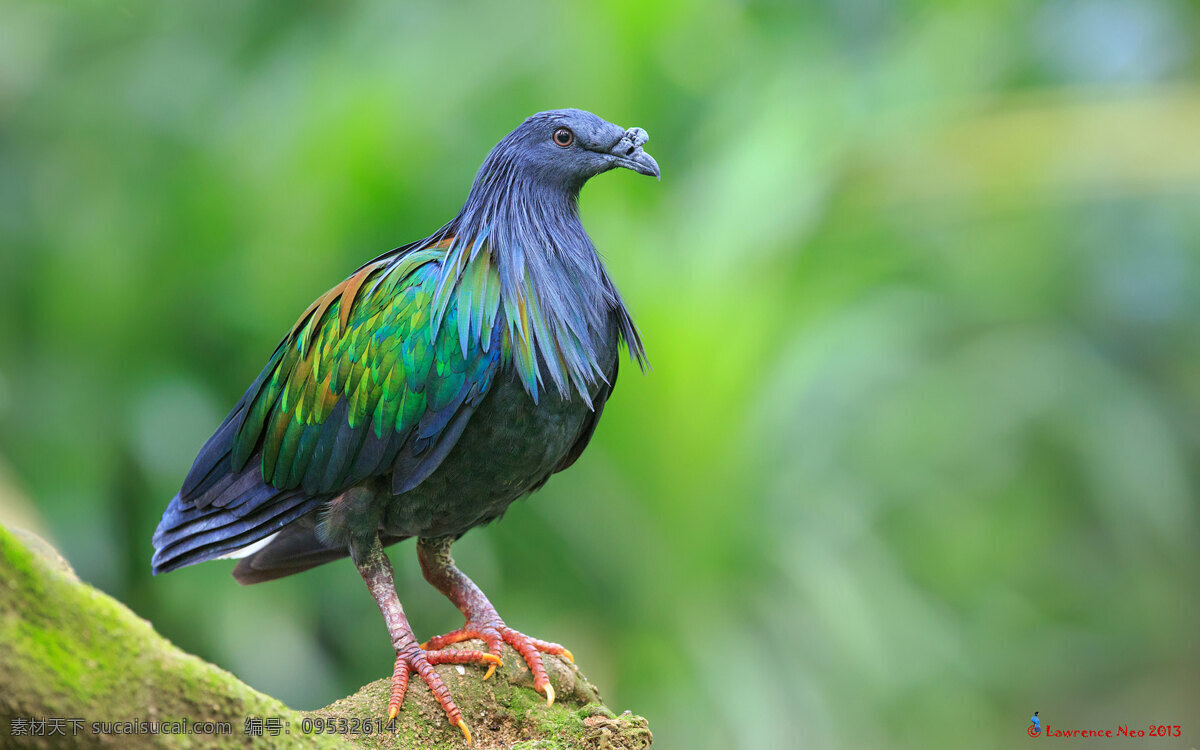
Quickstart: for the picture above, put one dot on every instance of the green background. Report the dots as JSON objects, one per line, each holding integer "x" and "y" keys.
{"x": 920, "y": 449}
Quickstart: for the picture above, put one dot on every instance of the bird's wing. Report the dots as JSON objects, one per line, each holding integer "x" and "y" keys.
{"x": 362, "y": 385}
{"x": 365, "y": 384}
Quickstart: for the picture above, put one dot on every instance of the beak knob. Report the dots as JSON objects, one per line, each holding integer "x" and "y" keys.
{"x": 629, "y": 153}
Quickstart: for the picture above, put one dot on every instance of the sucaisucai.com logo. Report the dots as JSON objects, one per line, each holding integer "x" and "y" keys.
{"x": 1121, "y": 730}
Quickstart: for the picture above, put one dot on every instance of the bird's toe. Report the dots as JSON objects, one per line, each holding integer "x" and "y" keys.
{"x": 419, "y": 660}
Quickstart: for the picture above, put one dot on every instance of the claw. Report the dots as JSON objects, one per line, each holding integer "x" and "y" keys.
{"x": 549, "y": 694}
{"x": 567, "y": 653}
{"x": 466, "y": 732}
{"x": 493, "y": 662}
{"x": 393, "y": 712}
{"x": 424, "y": 646}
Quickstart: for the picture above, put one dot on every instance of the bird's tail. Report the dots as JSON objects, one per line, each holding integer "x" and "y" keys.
{"x": 293, "y": 550}
{"x": 297, "y": 548}
{"x": 187, "y": 534}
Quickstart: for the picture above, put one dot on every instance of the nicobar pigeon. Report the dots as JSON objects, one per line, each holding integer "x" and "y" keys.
{"x": 421, "y": 396}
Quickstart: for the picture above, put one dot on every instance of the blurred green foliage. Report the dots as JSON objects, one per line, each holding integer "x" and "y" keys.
{"x": 919, "y": 452}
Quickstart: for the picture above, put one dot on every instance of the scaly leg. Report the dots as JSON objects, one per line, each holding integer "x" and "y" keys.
{"x": 483, "y": 622}
{"x": 376, "y": 569}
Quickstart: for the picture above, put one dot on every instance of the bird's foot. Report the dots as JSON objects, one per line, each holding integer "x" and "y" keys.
{"x": 495, "y": 633}
{"x": 421, "y": 661}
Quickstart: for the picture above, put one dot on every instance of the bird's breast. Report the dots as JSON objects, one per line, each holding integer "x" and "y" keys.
{"x": 509, "y": 448}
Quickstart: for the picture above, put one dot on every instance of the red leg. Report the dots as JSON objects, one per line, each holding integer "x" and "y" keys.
{"x": 483, "y": 622}
{"x": 376, "y": 570}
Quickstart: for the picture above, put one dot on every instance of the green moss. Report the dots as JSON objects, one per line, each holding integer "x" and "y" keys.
{"x": 595, "y": 709}
{"x": 71, "y": 651}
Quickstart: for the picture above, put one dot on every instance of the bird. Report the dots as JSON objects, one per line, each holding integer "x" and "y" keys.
{"x": 421, "y": 396}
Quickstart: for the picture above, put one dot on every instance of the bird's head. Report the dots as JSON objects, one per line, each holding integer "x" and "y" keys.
{"x": 564, "y": 148}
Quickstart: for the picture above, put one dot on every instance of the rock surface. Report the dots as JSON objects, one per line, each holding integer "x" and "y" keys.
{"x": 69, "y": 652}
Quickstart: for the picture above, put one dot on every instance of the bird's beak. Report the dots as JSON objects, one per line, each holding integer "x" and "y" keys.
{"x": 628, "y": 153}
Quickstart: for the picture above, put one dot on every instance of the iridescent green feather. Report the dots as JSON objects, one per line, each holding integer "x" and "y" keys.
{"x": 387, "y": 364}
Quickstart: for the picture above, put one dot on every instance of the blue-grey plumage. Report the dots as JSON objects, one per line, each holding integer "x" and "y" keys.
{"x": 429, "y": 390}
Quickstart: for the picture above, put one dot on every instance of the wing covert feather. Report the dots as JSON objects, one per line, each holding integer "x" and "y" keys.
{"x": 363, "y": 379}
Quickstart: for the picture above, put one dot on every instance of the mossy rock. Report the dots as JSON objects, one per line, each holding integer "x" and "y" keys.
{"x": 68, "y": 651}
{"x": 503, "y": 712}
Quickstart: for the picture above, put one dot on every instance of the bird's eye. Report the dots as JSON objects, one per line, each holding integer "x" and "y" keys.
{"x": 563, "y": 137}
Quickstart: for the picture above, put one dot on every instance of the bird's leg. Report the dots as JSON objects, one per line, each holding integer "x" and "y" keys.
{"x": 483, "y": 622}
{"x": 376, "y": 569}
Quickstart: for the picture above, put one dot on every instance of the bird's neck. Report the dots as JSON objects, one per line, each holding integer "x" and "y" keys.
{"x": 554, "y": 298}
{"x": 503, "y": 196}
